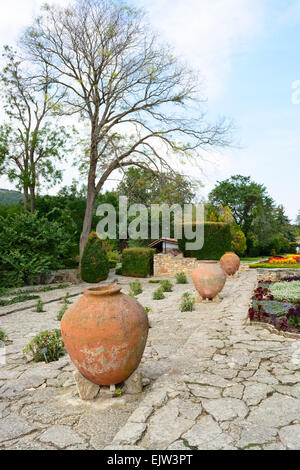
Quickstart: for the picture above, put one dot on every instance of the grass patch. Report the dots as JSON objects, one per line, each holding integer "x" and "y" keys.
{"x": 274, "y": 266}
{"x": 8, "y": 292}
{"x": 18, "y": 299}
{"x": 154, "y": 281}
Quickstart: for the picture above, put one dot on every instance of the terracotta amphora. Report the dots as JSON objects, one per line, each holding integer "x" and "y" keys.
{"x": 230, "y": 262}
{"x": 209, "y": 279}
{"x": 105, "y": 334}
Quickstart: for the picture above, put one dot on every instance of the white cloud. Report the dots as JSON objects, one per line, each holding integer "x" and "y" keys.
{"x": 208, "y": 33}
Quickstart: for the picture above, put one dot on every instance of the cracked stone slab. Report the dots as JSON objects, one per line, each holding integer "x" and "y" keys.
{"x": 276, "y": 411}
{"x": 61, "y": 437}
{"x": 225, "y": 409}
{"x": 130, "y": 434}
{"x": 256, "y": 435}
{"x": 169, "y": 422}
{"x": 206, "y": 434}
{"x": 141, "y": 414}
{"x": 204, "y": 391}
{"x": 255, "y": 393}
{"x": 13, "y": 426}
{"x": 290, "y": 437}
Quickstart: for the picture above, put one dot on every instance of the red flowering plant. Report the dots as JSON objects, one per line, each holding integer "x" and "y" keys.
{"x": 283, "y": 315}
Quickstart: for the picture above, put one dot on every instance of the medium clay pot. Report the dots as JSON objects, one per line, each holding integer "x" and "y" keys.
{"x": 209, "y": 279}
{"x": 230, "y": 262}
{"x": 105, "y": 334}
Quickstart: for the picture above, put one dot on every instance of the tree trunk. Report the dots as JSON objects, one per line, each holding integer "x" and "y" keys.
{"x": 32, "y": 199}
{"x": 26, "y": 199}
{"x": 88, "y": 218}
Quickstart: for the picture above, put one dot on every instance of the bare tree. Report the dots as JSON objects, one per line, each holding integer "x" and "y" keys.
{"x": 132, "y": 89}
{"x": 29, "y": 144}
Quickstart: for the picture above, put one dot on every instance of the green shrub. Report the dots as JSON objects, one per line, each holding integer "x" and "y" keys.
{"x": 286, "y": 290}
{"x": 64, "y": 308}
{"x": 137, "y": 262}
{"x": 188, "y": 303}
{"x": 136, "y": 288}
{"x": 217, "y": 241}
{"x": 31, "y": 246}
{"x": 166, "y": 286}
{"x": 94, "y": 263}
{"x": 2, "y": 335}
{"x": 158, "y": 294}
{"x": 154, "y": 281}
{"x": 47, "y": 346}
{"x": 181, "y": 278}
{"x": 40, "y": 306}
{"x": 114, "y": 258}
{"x": 238, "y": 240}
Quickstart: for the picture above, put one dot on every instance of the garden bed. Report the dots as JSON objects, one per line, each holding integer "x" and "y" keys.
{"x": 277, "y": 304}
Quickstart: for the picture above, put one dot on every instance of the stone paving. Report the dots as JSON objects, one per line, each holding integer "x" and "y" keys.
{"x": 211, "y": 382}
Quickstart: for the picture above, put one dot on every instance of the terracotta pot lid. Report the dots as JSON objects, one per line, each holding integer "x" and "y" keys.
{"x": 101, "y": 291}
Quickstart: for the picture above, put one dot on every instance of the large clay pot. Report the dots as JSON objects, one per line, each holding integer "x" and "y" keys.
{"x": 105, "y": 334}
{"x": 209, "y": 279}
{"x": 230, "y": 262}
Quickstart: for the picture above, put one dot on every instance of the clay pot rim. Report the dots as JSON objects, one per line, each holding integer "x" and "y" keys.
{"x": 102, "y": 291}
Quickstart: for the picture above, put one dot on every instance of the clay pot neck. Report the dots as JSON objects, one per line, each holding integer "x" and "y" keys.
{"x": 103, "y": 291}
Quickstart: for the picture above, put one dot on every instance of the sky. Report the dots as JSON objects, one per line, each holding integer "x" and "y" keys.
{"x": 248, "y": 53}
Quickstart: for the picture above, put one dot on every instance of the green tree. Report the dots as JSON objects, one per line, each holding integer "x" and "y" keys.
{"x": 30, "y": 145}
{"x": 141, "y": 187}
{"x": 243, "y": 197}
{"x": 117, "y": 77}
{"x": 265, "y": 225}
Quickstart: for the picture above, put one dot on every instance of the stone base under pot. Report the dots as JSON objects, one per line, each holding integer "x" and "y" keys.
{"x": 89, "y": 391}
{"x": 200, "y": 300}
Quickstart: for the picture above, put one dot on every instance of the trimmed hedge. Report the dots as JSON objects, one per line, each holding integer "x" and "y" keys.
{"x": 94, "y": 263}
{"x": 217, "y": 241}
{"x": 137, "y": 262}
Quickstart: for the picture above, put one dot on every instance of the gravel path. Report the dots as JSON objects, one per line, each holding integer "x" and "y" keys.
{"x": 215, "y": 383}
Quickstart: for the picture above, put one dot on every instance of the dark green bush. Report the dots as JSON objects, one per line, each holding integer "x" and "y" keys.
{"x": 217, "y": 241}
{"x": 137, "y": 262}
{"x": 94, "y": 263}
{"x": 47, "y": 346}
{"x": 31, "y": 246}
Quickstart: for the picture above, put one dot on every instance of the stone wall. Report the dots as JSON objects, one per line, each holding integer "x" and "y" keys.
{"x": 167, "y": 265}
{"x": 276, "y": 274}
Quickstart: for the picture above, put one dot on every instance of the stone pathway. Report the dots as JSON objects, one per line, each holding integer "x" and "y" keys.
{"x": 214, "y": 383}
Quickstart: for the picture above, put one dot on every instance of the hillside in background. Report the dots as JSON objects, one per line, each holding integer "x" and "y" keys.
{"x": 8, "y": 197}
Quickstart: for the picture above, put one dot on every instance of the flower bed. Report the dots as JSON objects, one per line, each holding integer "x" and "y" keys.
{"x": 277, "y": 304}
{"x": 287, "y": 261}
